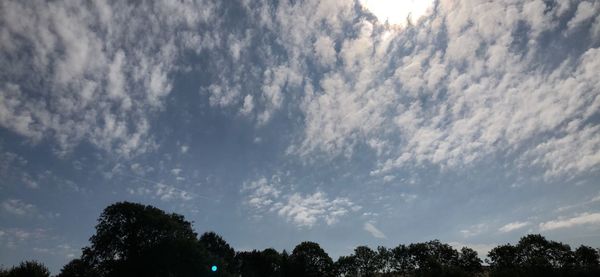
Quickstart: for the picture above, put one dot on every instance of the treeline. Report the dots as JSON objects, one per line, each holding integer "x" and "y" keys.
{"x": 136, "y": 240}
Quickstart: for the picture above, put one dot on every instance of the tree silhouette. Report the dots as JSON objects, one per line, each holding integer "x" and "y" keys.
{"x": 137, "y": 240}
{"x": 346, "y": 266}
{"x": 534, "y": 255}
{"x": 308, "y": 259}
{"x": 256, "y": 263}
{"x": 469, "y": 261}
{"x": 28, "y": 269}
{"x": 221, "y": 253}
{"x": 366, "y": 261}
{"x": 587, "y": 261}
{"x": 402, "y": 262}
{"x": 78, "y": 268}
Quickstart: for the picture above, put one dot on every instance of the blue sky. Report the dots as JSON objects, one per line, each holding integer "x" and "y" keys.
{"x": 276, "y": 122}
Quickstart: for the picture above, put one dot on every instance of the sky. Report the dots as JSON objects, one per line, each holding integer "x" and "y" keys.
{"x": 344, "y": 122}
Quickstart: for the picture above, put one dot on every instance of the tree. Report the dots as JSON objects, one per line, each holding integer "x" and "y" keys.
{"x": 29, "y": 269}
{"x": 77, "y": 268}
{"x": 222, "y": 254}
{"x": 402, "y": 261}
{"x": 503, "y": 260}
{"x": 534, "y": 255}
{"x": 366, "y": 261}
{"x": 136, "y": 240}
{"x": 385, "y": 260}
{"x": 469, "y": 261}
{"x": 587, "y": 261}
{"x": 346, "y": 266}
{"x": 309, "y": 259}
{"x": 434, "y": 258}
{"x": 256, "y": 263}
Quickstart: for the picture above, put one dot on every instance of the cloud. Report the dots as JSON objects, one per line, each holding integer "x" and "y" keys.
{"x": 580, "y": 204}
{"x": 513, "y": 226}
{"x": 248, "y": 105}
{"x": 376, "y": 233}
{"x": 304, "y": 210}
{"x": 95, "y": 71}
{"x": 18, "y": 207}
{"x": 474, "y": 230}
{"x": 13, "y": 237}
{"x": 585, "y": 11}
{"x": 459, "y": 99}
{"x": 163, "y": 192}
{"x": 184, "y": 149}
{"x": 263, "y": 192}
{"x": 581, "y": 219}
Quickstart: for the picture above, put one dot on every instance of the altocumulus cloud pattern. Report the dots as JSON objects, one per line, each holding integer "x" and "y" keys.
{"x": 273, "y": 122}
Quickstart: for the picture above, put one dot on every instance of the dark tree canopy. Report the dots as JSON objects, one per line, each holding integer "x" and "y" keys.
{"x": 220, "y": 252}
{"x": 137, "y": 240}
{"x": 309, "y": 259}
{"x": 28, "y": 269}
{"x": 267, "y": 263}
{"x": 534, "y": 255}
{"x": 78, "y": 268}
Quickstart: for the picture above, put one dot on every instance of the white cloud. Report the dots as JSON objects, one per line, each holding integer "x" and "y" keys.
{"x": 581, "y": 219}
{"x": 163, "y": 192}
{"x": 184, "y": 149}
{"x": 325, "y": 50}
{"x": 248, "y": 105}
{"x": 585, "y": 11}
{"x": 176, "y": 171}
{"x": 304, "y": 210}
{"x": 18, "y": 207}
{"x": 454, "y": 104}
{"x": 474, "y": 230}
{"x": 376, "y": 233}
{"x": 263, "y": 193}
{"x": 99, "y": 71}
{"x": 513, "y": 226}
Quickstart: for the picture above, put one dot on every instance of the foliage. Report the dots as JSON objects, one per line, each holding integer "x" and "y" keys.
{"x": 534, "y": 255}
{"x": 137, "y": 240}
{"x": 78, "y": 268}
{"x": 221, "y": 254}
{"x": 309, "y": 259}
{"x": 28, "y": 269}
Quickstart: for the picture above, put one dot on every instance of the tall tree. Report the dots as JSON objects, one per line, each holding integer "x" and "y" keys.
{"x": 469, "y": 261}
{"x": 136, "y": 240}
{"x": 366, "y": 261}
{"x": 587, "y": 261}
{"x": 402, "y": 261}
{"x": 308, "y": 259}
{"x": 221, "y": 253}
{"x": 346, "y": 266}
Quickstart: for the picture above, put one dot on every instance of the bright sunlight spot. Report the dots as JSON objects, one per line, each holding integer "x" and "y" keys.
{"x": 396, "y": 12}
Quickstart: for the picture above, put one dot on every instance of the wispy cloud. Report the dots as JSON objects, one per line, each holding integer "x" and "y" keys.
{"x": 18, "y": 207}
{"x": 570, "y": 222}
{"x": 376, "y": 233}
{"x": 513, "y": 226}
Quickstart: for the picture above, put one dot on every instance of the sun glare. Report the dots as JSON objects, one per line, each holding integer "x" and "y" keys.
{"x": 396, "y": 12}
